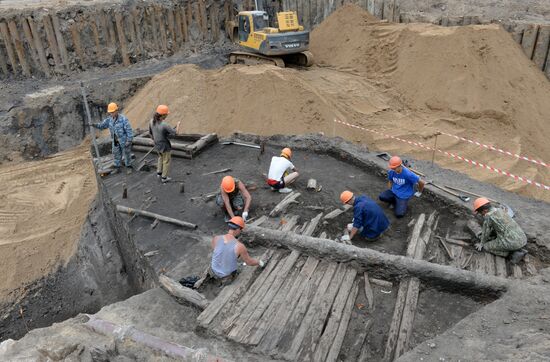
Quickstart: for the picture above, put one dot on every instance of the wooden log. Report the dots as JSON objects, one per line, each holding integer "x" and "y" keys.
{"x": 129, "y": 26}
{"x": 276, "y": 319}
{"x": 171, "y": 28}
{"x": 183, "y": 294}
{"x": 369, "y": 294}
{"x": 61, "y": 42}
{"x": 138, "y": 29}
{"x": 500, "y": 267}
{"x": 530, "y": 265}
{"x": 381, "y": 283}
{"x": 320, "y": 347}
{"x": 458, "y": 242}
{"x": 310, "y": 229}
{"x": 290, "y": 223}
{"x": 214, "y": 22}
{"x": 489, "y": 263}
{"x": 319, "y": 307}
{"x": 516, "y": 272}
{"x": 409, "y": 311}
{"x": 95, "y": 34}
{"x": 284, "y": 204}
{"x": 189, "y": 13}
{"x": 343, "y": 327}
{"x": 259, "y": 221}
{"x": 122, "y": 39}
{"x": 203, "y": 19}
{"x": 230, "y": 294}
{"x": 365, "y": 259}
{"x": 131, "y": 211}
{"x": 393, "y": 333}
{"x": 112, "y": 33}
{"x": 542, "y": 46}
{"x": 227, "y": 324}
{"x": 154, "y": 30}
{"x": 415, "y": 235}
{"x": 19, "y": 48}
{"x": 159, "y": 11}
{"x": 255, "y": 309}
{"x": 9, "y": 48}
{"x": 529, "y": 39}
{"x": 203, "y": 142}
{"x": 75, "y": 35}
{"x": 29, "y": 38}
{"x": 311, "y": 184}
{"x": 175, "y": 153}
{"x": 184, "y": 24}
{"x": 179, "y": 26}
{"x": 335, "y": 213}
{"x": 39, "y": 47}
{"x": 142, "y": 141}
{"x": 3, "y": 63}
{"x": 50, "y": 35}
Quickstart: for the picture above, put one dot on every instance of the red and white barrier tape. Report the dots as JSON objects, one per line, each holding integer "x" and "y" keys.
{"x": 493, "y": 148}
{"x": 453, "y": 155}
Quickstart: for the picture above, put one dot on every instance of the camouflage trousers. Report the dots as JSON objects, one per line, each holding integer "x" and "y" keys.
{"x": 502, "y": 247}
{"x": 118, "y": 151}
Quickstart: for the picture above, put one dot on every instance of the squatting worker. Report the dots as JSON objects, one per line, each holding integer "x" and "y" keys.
{"x": 368, "y": 218}
{"x": 500, "y": 234}
{"x": 160, "y": 131}
{"x": 234, "y": 198}
{"x": 282, "y": 172}
{"x": 226, "y": 252}
{"x": 401, "y": 183}
{"x": 121, "y": 133}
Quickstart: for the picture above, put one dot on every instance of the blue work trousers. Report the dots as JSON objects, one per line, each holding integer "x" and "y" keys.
{"x": 399, "y": 205}
{"x": 118, "y": 151}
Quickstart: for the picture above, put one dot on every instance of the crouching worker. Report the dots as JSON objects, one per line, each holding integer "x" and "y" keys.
{"x": 500, "y": 234}
{"x": 368, "y": 218}
{"x": 401, "y": 183}
{"x": 234, "y": 198}
{"x": 226, "y": 253}
{"x": 282, "y": 172}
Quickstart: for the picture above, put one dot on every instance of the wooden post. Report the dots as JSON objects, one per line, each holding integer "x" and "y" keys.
{"x": 7, "y": 42}
{"x": 111, "y": 30}
{"x": 39, "y": 47}
{"x": 529, "y": 39}
{"x": 189, "y": 13}
{"x": 30, "y": 41}
{"x": 214, "y": 23}
{"x": 75, "y": 35}
{"x": 178, "y": 29}
{"x": 204, "y": 19}
{"x": 3, "y": 64}
{"x": 136, "y": 24}
{"x": 162, "y": 30}
{"x": 129, "y": 26}
{"x": 19, "y": 48}
{"x": 184, "y": 23}
{"x": 61, "y": 41}
{"x": 122, "y": 39}
{"x": 95, "y": 32}
{"x": 154, "y": 30}
{"x": 171, "y": 30}
{"x": 50, "y": 34}
{"x": 541, "y": 48}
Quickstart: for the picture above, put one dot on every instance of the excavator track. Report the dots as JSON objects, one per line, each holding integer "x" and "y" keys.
{"x": 303, "y": 59}
{"x": 254, "y": 59}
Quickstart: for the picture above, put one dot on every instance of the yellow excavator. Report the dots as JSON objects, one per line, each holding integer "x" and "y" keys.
{"x": 288, "y": 43}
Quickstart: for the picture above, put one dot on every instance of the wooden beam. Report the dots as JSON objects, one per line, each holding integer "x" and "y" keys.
{"x": 122, "y": 39}
{"x": 284, "y": 204}
{"x": 500, "y": 267}
{"x": 9, "y": 48}
{"x": 183, "y": 294}
{"x": 39, "y": 46}
{"x": 290, "y": 223}
{"x": 214, "y": 22}
{"x": 154, "y": 30}
{"x": 75, "y": 35}
{"x": 310, "y": 229}
{"x": 61, "y": 41}
{"x": 19, "y": 49}
{"x": 95, "y": 34}
{"x": 335, "y": 213}
{"x": 179, "y": 34}
{"x": 131, "y": 211}
{"x": 159, "y": 11}
{"x": 184, "y": 23}
{"x": 409, "y": 311}
{"x": 50, "y": 35}
{"x": 138, "y": 28}
{"x": 171, "y": 28}
{"x": 393, "y": 332}
{"x": 3, "y": 63}
{"x": 175, "y": 153}
{"x": 415, "y": 235}
{"x": 204, "y": 19}
{"x": 29, "y": 37}
{"x": 189, "y": 12}
{"x": 369, "y": 294}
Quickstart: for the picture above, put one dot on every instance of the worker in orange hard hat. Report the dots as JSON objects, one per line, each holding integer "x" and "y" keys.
{"x": 161, "y": 132}
{"x": 500, "y": 235}
{"x": 368, "y": 218}
{"x": 226, "y": 253}
{"x": 121, "y": 133}
{"x": 401, "y": 184}
{"x": 234, "y": 198}
{"x": 282, "y": 172}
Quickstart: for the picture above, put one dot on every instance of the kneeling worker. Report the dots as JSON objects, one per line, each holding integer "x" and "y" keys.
{"x": 226, "y": 252}
{"x": 401, "y": 182}
{"x": 368, "y": 218}
{"x": 279, "y": 176}
{"x": 234, "y": 198}
{"x": 500, "y": 234}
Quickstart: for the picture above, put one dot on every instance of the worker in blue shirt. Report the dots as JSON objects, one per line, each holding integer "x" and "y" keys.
{"x": 368, "y": 218}
{"x": 401, "y": 183}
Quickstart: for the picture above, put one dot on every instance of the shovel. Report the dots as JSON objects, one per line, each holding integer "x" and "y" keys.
{"x": 461, "y": 197}
{"x": 142, "y": 160}
{"x": 505, "y": 207}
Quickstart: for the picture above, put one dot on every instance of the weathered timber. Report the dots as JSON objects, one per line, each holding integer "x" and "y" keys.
{"x": 409, "y": 310}
{"x": 29, "y": 37}
{"x": 19, "y": 48}
{"x": 179, "y": 34}
{"x": 159, "y": 12}
{"x": 277, "y": 317}
{"x": 500, "y": 267}
{"x": 241, "y": 330}
{"x": 342, "y": 328}
{"x": 489, "y": 263}
{"x": 138, "y": 28}
{"x": 214, "y": 23}
{"x": 230, "y": 294}
{"x": 259, "y": 221}
{"x": 50, "y": 35}
{"x": 142, "y": 141}
{"x": 529, "y": 265}
{"x": 61, "y": 41}
{"x": 318, "y": 351}
{"x": 289, "y": 223}
{"x": 446, "y": 248}
{"x": 131, "y": 211}
{"x": 529, "y": 39}
{"x": 3, "y": 63}
{"x": 381, "y": 263}
{"x": 122, "y": 39}
{"x": 189, "y": 22}
{"x": 203, "y": 19}
{"x": 171, "y": 28}
{"x": 95, "y": 33}
{"x": 458, "y": 242}
{"x": 516, "y": 272}
{"x": 9, "y": 48}
{"x": 337, "y": 212}
{"x": 203, "y": 142}
{"x": 182, "y": 293}
{"x": 393, "y": 332}
{"x": 310, "y": 229}
{"x": 381, "y": 283}
{"x": 75, "y": 34}
{"x": 415, "y": 235}
{"x": 284, "y": 204}
{"x": 369, "y": 294}
{"x": 363, "y": 356}
{"x": 154, "y": 31}
{"x": 311, "y": 184}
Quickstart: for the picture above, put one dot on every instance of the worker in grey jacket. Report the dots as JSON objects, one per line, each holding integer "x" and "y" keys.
{"x": 160, "y": 132}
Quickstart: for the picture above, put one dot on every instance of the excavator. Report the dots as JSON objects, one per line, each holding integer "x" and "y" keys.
{"x": 288, "y": 43}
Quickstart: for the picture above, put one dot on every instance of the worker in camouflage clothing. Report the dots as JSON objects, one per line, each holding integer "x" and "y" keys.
{"x": 500, "y": 234}
{"x": 121, "y": 132}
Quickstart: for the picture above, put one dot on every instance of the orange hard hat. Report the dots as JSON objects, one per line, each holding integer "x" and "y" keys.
{"x": 163, "y": 110}
{"x": 237, "y": 220}
{"x": 479, "y": 202}
{"x": 286, "y": 152}
{"x": 112, "y": 107}
{"x": 346, "y": 196}
{"x": 228, "y": 184}
{"x": 395, "y": 162}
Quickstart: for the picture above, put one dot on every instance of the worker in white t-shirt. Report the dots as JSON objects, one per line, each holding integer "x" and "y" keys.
{"x": 282, "y": 172}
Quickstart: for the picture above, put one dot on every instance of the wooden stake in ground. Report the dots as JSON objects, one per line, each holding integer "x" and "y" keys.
{"x": 19, "y": 48}
{"x": 61, "y": 41}
{"x": 152, "y": 215}
{"x": 122, "y": 39}
{"x": 9, "y": 49}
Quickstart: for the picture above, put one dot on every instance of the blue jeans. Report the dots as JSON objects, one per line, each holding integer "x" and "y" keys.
{"x": 400, "y": 205}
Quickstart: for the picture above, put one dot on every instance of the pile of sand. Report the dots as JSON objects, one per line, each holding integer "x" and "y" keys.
{"x": 42, "y": 208}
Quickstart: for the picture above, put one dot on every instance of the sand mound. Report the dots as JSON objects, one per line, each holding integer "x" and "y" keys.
{"x": 262, "y": 100}
{"x": 42, "y": 207}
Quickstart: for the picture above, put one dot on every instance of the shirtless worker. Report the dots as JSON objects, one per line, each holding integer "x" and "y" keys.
{"x": 226, "y": 252}
{"x": 500, "y": 234}
{"x": 282, "y": 172}
{"x": 368, "y": 218}
{"x": 234, "y": 198}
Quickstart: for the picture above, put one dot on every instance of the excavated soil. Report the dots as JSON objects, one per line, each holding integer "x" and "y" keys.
{"x": 410, "y": 80}
{"x": 43, "y": 206}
